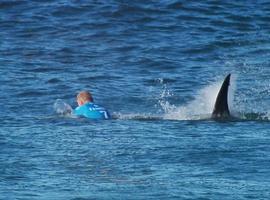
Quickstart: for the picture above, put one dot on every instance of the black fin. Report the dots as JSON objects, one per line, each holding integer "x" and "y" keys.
{"x": 221, "y": 109}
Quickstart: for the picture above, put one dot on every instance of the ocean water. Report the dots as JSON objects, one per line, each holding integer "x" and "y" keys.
{"x": 157, "y": 67}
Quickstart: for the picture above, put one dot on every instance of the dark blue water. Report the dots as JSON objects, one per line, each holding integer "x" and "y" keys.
{"x": 157, "y": 67}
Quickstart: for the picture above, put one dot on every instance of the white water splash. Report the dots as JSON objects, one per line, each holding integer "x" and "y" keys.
{"x": 202, "y": 106}
{"x": 62, "y": 108}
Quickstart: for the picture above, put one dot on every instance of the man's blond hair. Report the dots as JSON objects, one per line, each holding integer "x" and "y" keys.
{"x": 85, "y": 96}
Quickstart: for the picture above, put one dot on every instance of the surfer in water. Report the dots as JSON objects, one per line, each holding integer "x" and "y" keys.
{"x": 87, "y": 108}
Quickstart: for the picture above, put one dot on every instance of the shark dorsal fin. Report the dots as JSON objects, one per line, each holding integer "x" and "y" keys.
{"x": 221, "y": 109}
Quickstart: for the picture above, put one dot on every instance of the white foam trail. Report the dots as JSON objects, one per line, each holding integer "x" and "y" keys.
{"x": 202, "y": 106}
{"x": 135, "y": 116}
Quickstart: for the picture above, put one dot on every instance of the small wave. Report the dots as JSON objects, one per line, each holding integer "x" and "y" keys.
{"x": 11, "y": 4}
{"x": 44, "y": 69}
{"x": 159, "y": 81}
{"x": 54, "y": 80}
{"x": 32, "y": 93}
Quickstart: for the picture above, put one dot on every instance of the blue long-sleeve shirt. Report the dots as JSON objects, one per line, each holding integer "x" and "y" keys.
{"x": 92, "y": 111}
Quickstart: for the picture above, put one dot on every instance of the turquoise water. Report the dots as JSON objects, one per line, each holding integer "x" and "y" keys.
{"x": 157, "y": 67}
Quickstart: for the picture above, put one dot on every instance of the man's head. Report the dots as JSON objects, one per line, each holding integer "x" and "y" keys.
{"x": 84, "y": 97}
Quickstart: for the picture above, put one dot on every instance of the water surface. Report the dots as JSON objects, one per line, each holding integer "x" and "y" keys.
{"x": 157, "y": 67}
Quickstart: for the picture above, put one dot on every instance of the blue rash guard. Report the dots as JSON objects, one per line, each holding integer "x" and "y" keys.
{"x": 92, "y": 111}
